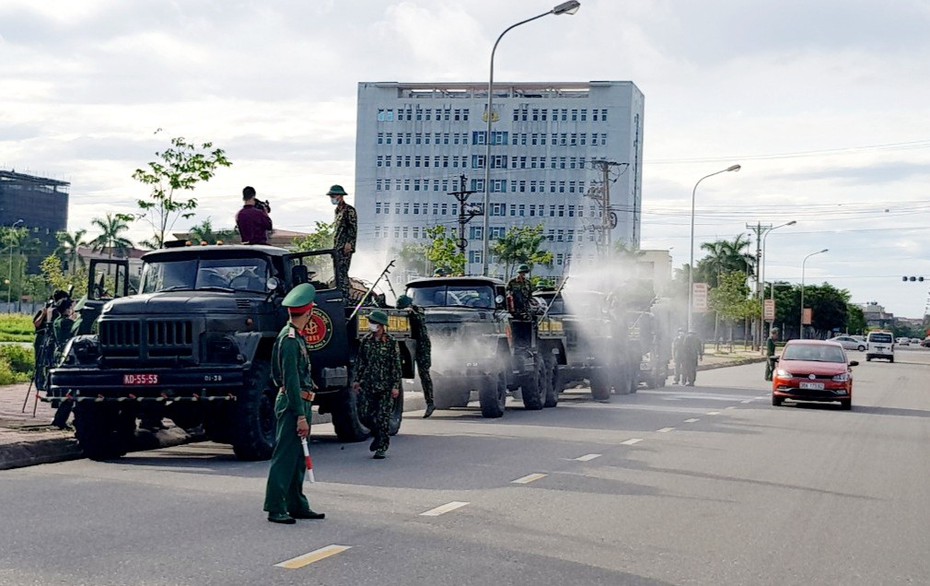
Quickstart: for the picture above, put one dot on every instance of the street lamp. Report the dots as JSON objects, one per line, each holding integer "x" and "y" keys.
{"x": 570, "y": 7}
{"x": 801, "y": 320}
{"x": 9, "y": 280}
{"x": 762, "y": 275}
{"x": 691, "y": 261}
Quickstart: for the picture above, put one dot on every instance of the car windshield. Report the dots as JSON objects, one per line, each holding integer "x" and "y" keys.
{"x": 205, "y": 274}
{"x": 478, "y": 296}
{"x": 880, "y": 338}
{"x": 814, "y": 353}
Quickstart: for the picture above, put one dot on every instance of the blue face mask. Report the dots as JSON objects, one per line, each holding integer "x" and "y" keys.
{"x": 334, "y": 201}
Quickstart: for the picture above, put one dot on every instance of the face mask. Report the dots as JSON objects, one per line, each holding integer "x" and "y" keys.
{"x": 334, "y": 201}
{"x": 372, "y": 327}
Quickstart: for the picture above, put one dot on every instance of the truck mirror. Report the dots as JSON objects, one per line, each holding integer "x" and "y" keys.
{"x": 499, "y": 300}
{"x": 272, "y": 284}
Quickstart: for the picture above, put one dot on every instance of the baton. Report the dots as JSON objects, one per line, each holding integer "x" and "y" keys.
{"x": 307, "y": 458}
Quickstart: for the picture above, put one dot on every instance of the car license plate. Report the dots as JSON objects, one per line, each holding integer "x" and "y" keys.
{"x": 140, "y": 379}
{"x": 812, "y": 386}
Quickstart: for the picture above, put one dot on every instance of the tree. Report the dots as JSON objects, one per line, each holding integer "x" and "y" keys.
{"x": 111, "y": 238}
{"x": 57, "y": 279}
{"x": 730, "y": 299}
{"x": 443, "y": 251}
{"x": 204, "y": 232}
{"x": 855, "y": 321}
{"x": 830, "y": 308}
{"x": 521, "y": 245}
{"x": 179, "y": 168}
{"x": 412, "y": 259}
{"x": 69, "y": 248}
{"x": 320, "y": 239}
{"x": 725, "y": 256}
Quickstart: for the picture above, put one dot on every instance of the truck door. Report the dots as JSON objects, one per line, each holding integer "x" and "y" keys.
{"x": 106, "y": 279}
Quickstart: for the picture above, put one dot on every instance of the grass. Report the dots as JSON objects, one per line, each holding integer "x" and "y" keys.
{"x": 17, "y": 328}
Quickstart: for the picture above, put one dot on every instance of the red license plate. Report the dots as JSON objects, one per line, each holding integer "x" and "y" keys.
{"x": 140, "y": 379}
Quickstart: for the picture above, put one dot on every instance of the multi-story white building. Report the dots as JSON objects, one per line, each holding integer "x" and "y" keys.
{"x": 549, "y": 141}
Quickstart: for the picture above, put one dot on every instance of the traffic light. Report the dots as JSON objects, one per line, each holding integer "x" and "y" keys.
{"x": 912, "y": 279}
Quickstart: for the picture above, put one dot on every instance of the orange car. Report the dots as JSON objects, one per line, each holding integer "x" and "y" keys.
{"x": 813, "y": 370}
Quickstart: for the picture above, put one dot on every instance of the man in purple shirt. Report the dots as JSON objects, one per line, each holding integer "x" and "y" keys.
{"x": 252, "y": 220}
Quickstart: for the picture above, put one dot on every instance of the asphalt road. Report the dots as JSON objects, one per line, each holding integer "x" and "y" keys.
{"x": 703, "y": 485}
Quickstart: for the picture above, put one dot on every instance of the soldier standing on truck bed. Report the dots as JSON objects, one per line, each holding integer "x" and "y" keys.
{"x": 519, "y": 293}
{"x": 424, "y": 349}
{"x": 345, "y": 231}
{"x": 290, "y": 373}
{"x": 377, "y": 379}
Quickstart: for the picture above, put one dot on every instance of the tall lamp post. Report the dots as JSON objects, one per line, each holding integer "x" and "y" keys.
{"x": 691, "y": 261}
{"x": 801, "y": 320}
{"x": 570, "y": 7}
{"x": 761, "y": 291}
{"x": 9, "y": 290}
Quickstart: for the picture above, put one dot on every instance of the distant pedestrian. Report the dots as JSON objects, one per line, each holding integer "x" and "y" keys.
{"x": 423, "y": 347}
{"x": 345, "y": 232}
{"x": 377, "y": 381}
{"x": 290, "y": 373}
{"x": 770, "y": 353}
{"x": 678, "y": 347}
{"x": 253, "y": 220}
{"x": 693, "y": 352}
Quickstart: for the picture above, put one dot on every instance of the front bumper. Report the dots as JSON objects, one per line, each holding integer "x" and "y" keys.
{"x": 160, "y": 383}
{"x": 790, "y": 389}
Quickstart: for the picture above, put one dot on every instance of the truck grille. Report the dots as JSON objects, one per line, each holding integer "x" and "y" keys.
{"x": 147, "y": 339}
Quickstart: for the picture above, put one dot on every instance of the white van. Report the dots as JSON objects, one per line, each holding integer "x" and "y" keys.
{"x": 880, "y": 345}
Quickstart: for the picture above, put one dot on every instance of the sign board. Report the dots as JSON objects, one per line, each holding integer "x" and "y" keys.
{"x": 768, "y": 310}
{"x": 699, "y": 297}
{"x": 807, "y": 316}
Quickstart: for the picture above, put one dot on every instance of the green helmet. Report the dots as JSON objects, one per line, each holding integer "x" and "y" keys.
{"x": 440, "y": 272}
{"x": 404, "y": 302}
{"x": 524, "y": 268}
{"x": 378, "y": 317}
{"x": 336, "y": 190}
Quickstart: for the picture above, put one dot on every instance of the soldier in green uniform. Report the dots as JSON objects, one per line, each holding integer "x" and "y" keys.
{"x": 378, "y": 379}
{"x": 440, "y": 272}
{"x": 678, "y": 355}
{"x": 63, "y": 329}
{"x": 692, "y": 352}
{"x": 519, "y": 293}
{"x": 345, "y": 231}
{"x": 290, "y": 372}
{"x": 770, "y": 353}
{"x": 424, "y": 349}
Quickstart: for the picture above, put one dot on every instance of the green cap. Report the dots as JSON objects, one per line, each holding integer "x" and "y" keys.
{"x": 440, "y": 272}
{"x": 300, "y": 296}
{"x": 404, "y": 302}
{"x": 523, "y": 268}
{"x": 378, "y": 317}
{"x": 336, "y": 190}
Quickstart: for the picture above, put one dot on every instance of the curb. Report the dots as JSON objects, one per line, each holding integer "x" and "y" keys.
{"x": 735, "y": 362}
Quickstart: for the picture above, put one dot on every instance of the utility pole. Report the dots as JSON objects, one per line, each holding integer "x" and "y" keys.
{"x": 465, "y": 213}
{"x": 759, "y": 230}
{"x": 608, "y": 217}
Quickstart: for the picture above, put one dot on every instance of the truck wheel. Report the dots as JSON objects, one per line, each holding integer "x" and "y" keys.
{"x": 397, "y": 416}
{"x": 634, "y": 380}
{"x": 553, "y": 386}
{"x": 347, "y": 418}
{"x": 443, "y": 397}
{"x": 493, "y": 397}
{"x": 534, "y": 389}
{"x": 103, "y": 431}
{"x": 600, "y": 385}
{"x": 253, "y": 415}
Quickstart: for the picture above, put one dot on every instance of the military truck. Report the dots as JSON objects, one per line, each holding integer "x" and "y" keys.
{"x": 194, "y": 345}
{"x": 477, "y": 347}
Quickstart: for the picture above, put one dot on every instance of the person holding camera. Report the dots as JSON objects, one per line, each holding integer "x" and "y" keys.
{"x": 253, "y": 220}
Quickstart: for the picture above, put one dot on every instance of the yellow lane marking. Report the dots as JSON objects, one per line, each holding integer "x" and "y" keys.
{"x": 441, "y": 510}
{"x": 631, "y": 442}
{"x": 528, "y": 478}
{"x": 314, "y": 556}
{"x": 587, "y": 457}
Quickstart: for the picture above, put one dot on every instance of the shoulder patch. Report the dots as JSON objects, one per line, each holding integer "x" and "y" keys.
{"x": 291, "y": 334}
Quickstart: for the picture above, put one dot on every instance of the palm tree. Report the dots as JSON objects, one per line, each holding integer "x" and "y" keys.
{"x": 111, "y": 238}
{"x": 68, "y": 248}
{"x": 726, "y": 256}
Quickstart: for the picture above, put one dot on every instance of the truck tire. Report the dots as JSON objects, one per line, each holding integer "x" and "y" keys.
{"x": 553, "y": 386}
{"x": 103, "y": 431}
{"x": 600, "y": 385}
{"x": 534, "y": 388}
{"x": 493, "y": 397}
{"x": 397, "y": 415}
{"x": 253, "y": 419}
{"x": 347, "y": 419}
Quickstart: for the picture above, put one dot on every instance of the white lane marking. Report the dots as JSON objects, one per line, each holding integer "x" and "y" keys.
{"x": 631, "y": 442}
{"x": 443, "y": 509}
{"x": 730, "y": 407}
{"x": 692, "y": 420}
{"x": 528, "y": 478}
{"x": 587, "y": 457}
{"x": 713, "y": 412}
{"x": 665, "y": 430}
{"x": 746, "y": 401}
{"x": 313, "y": 556}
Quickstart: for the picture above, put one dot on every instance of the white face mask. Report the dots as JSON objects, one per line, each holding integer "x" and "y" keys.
{"x": 372, "y": 327}
{"x": 334, "y": 201}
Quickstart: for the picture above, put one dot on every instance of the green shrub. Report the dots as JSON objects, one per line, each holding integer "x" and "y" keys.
{"x": 20, "y": 358}
{"x": 7, "y": 376}
{"x": 16, "y": 328}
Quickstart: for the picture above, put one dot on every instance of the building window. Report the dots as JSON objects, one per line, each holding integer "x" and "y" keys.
{"x": 522, "y": 210}
{"x": 499, "y": 137}
{"x": 416, "y": 187}
{"x": 604, "y": 115}
{"x": 574, "y": 115}
{"x": 380, "y": 161}
{"x": 396, "y": 231}
{"x": 476, "y": 233}
{"x": 570, "y": 236}
{"x": 406, "y": 208}
{"x": 477, "y": 136}
{"x": 550, "y": 235}
{"x": 523, "y": 186}
{"x": 474, "y": 256}
{"x": 562, "y": 211}
{"x": 477, "y": 161}
{"x": 416, "y": 232}
{"x": 477, "y": 185}
{"x": 543, "y": 115}
{"x": 498, "y": 209}
{"x": 498, "y": 185}
{"x": 560, "y": 236}
{"x": 571, "y": 211}
{"x": 584, "y": 114}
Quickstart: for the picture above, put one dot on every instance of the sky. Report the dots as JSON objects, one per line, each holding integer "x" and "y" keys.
{"x": 824, "y": 103}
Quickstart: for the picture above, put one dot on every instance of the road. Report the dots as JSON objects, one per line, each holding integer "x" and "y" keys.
{"x": 703, "y": 485}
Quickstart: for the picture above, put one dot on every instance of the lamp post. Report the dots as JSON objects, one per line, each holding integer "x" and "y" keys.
{"x": 801, "y": 320}
{"x": 9, "y": 280}
{"x": 691, "y": 261}
{"x": 570, "y": 7}
{"x": 761, "y": 291}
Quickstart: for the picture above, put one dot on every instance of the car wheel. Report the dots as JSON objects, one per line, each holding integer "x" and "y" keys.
{"x": 861, "y": 348}
{"x": 846, "y": 405}
{"x": 776, "y": 401}
{"x": 891, "y": 360}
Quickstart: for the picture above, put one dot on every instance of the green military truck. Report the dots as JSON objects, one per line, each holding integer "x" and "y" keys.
{"x": 194, "y": 345}
{"x": 477, "y": 347}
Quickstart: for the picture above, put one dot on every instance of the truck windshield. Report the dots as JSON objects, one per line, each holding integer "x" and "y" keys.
{"x": 232, "y": 274}
{"x": 478, "y": 296}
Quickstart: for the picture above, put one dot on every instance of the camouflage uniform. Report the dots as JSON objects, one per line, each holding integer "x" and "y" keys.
{"x": 377, "y": 372}
{"x": 424, "y": 351}
{"x": 345, "y": 231}
{"x": 520, "y": 292}
{"x": 63, "y": 329}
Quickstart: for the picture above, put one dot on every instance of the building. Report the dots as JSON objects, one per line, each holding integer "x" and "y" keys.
{"x": 876, "y": 317}
{"x": 552, "y": 144}
{"x": 37, "y": 203}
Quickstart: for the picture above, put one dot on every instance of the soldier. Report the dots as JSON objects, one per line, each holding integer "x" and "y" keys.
{"x": 693, "y": 352}
{"x": 345, "y": 230}
{"x": 378, "y": 379}
{"x": 290, "y": 373}
{"x": 63, "y": 329}
{"x": 770, "y": 353}
{"x": 424, "y": 349}
{"x": 440, "y": 272}
{"x": 678, "y": 355}
{"x": 519, "y": 293}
